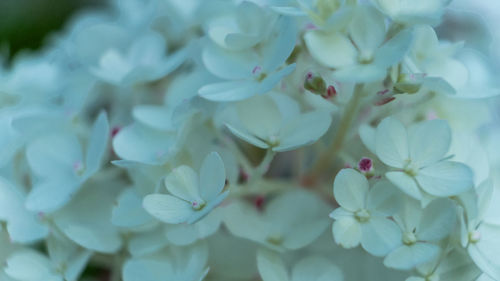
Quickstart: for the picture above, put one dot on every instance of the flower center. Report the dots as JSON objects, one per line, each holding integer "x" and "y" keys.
{"x": 410, "y": 169}
{"x": 432, "y": 277}
{"x": 257, "y": 72}
{"x": 79, "y": 168}
{"x": 365, "y": 57}
{"x": 409, "y": 238}
{"x": 275, "y": 239}
{"x": 198, "y": 205}
{"x": 474, "y": 236}
{"x": 362, "y": 215}
{"x": 365, "y": 164}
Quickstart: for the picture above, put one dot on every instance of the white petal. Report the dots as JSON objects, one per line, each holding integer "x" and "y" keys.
{"x": 260, "y": 116}
{"x": 360, "y": 73}
{"x": 380, "y": 236}
{"x": 330, "y": 49}
{"x": 28, "y": 265}
{"x": 54, "y": 155}
{"x": 347, "y": 232}
{"x": 485, "y": 251}
{"x": 212, "y": 176}
{"x": 86, "y": 220}
{"x": 142, "y": 144}
{"x": 391, "y": 142}
{"x": 407, "y": 257}
{"x": 303, "y": 130}
{"x": 305, "y": 234}
{"x": 167, "y": 208}
{"x": 429, "y": 141}
{"x": 49, "y": 196}
{"x": 128, "y": 210}
{"x": 97, "y": 144}
{"x": 182, "y": 182}
{"x": 280, "y": 46}
{"x": 406, "y": 183}
{"x": 22, "y": 225}
{"x": 228, "y": 64}
{"x": 394, "y": 50}
{"x": 446, "y": 178}
{"x": 246, "y": 136}
{"x": 316, "y": 268}
{"x": 384, "y": 198}
{"x": 146, "y": 270}
{"x": 157, "y": 117}
{"x": 144, "y": 243}
{"x": 438, "y": 220}
{"x": 350, "y": 189}
{"x": 367, "y": 29}
{"x": 271, "y": 267}
{"x": 229, "y": 91}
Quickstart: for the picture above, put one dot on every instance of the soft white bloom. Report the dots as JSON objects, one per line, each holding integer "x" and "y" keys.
{"x": 365, "y": 55}
{"x": 274, "y": 121}
{"x": 65, "y": 262}
{"x": 435, "y": 61}
{"x": 455, "y": 266}
{"x": 86, "y": 220}
{"x": 480, "y": 227}
{"x": 252, "y": 71}
{"x": 291, "y": 221}
{"x": 421, "y": 229}
{"x": 23, "y": 226}
{"x": 175, "y": 263}
{"x": 60, "y": 167}
{"x": 128, "y": 212}
{"x": 363, "y": 212}
{"x": 193, "y": 196}
{"x": 115, "y": 56}
{"x": 418, "y": 156}
{"x": 312, "y": 268}
{"x": 413, "y": 12}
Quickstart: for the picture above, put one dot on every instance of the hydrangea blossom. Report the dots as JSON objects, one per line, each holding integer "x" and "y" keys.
{"x": 192, "y": 197}
{"x": 199, "y": 140}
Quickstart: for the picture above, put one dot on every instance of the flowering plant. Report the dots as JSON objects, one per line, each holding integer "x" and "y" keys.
{"x": 220, "y": 140}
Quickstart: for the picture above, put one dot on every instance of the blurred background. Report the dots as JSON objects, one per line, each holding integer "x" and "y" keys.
{"x": 25, "y": 24}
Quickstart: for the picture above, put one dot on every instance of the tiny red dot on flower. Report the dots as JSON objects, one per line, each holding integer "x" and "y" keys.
{"x": 259, "y": 202}
{"x": 365, "y": 164}
{"x": 114, "y": 131}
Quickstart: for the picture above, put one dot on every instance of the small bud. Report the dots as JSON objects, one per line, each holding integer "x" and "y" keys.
{"x": 330, "y": 92}
{"x": 365, "y": 165}
{"x": 315, "y": 84}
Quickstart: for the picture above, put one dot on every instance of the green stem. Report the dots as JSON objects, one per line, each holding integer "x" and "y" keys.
{"x": 350, "y": 113}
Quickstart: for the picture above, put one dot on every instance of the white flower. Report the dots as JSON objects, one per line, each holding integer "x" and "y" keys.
{"x": 60, "y": 167}
{"x": 192, "y": 197}
{"x": 241, "y": 27}
{"x": 365, "y": 56}
{"x": 250, "y": 72}
{"x": 312, "y": 268}
{"x": 421, "y": 229}
{"x": 362, "y": 216}
{"x": 435, "y": 60}
{"x": 114, "y": 57}
{"x": 65, "y": 262}
{"x": 86, "y": 220}
{"x": 23, "y": 226}
{"x": 175, "y": 263}
{"x": 274, "y": 121}
{"x": 185, "y": 234}
{"x": 418, "y": 155}
{"x": 413, "y": 12}
{"x": 291, "y": 221}
{"x": 128, "y": 212}
{"x": 454, "y": 266}
{"x": 480, "y": 227}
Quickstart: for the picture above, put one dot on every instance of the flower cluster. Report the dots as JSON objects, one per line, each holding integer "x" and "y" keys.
{"x": 199, "y": 140}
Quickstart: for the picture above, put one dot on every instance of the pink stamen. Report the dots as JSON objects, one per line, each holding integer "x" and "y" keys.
{"x": 330, "y": 92}
{"x": 385, "y": 101}
{"x": 256, "y": 69}
{"x": 259, "y": 202}
{"x": 381, "y": 93}
{"x": 365, "y": 164}
{"x": 115, "y": 130}
{"x": 244, "y": 176}
{"x": 310, "y": 26}
{"x": 309, "y": 76}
